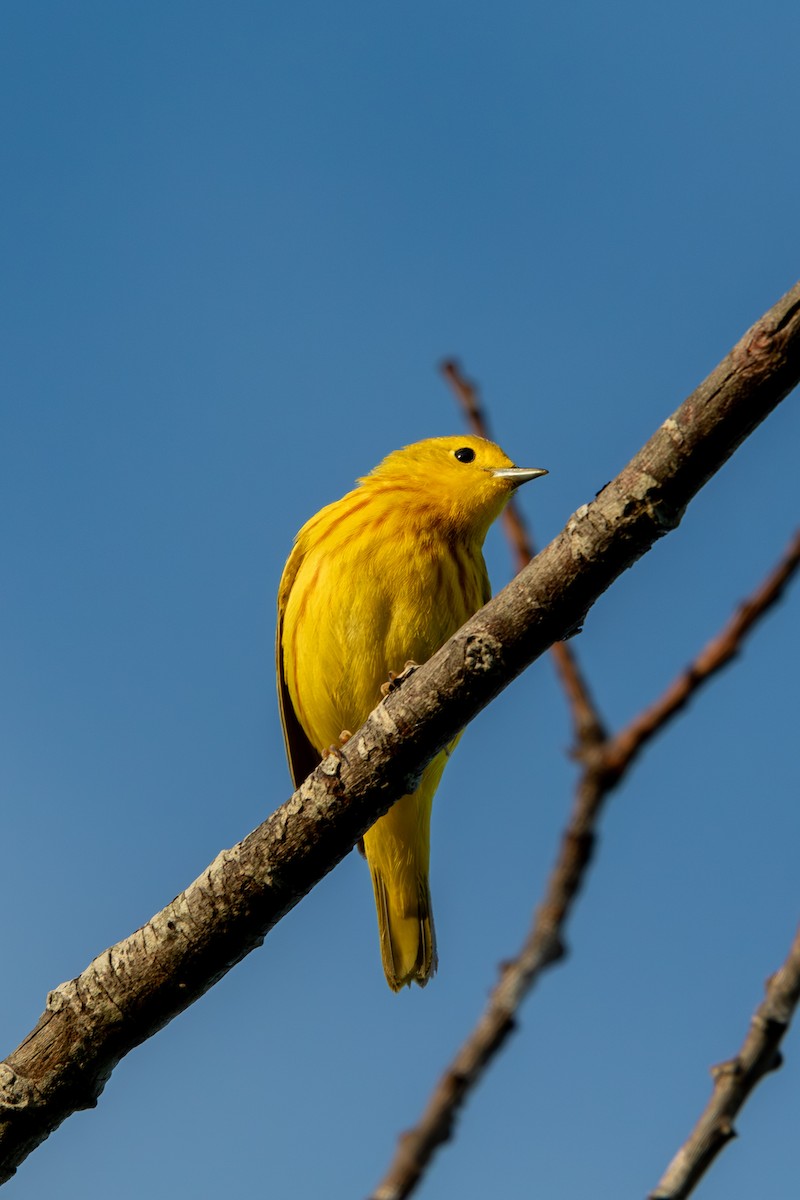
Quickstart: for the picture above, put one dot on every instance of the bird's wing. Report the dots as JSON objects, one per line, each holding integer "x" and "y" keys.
{"x": 302, "y": 756}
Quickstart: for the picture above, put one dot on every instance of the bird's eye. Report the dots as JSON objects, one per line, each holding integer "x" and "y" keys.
{"x": 465, "y": 454}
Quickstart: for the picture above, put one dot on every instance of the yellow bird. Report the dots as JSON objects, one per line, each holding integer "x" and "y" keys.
{"x": 383, "y": 576}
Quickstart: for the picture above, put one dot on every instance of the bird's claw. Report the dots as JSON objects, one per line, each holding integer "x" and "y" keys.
{"x": 336, "y": 749}
{"x": 396, "y": 679}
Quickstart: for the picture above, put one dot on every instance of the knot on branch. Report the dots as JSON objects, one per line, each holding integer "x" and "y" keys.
{"x": 764, "y": 347}
{"x": 603, "y": 765}
{"x": 725, "y": 1129}
{"x": 15, "y": 1090}
{"x": 647, "y": 496}
{"x": 730, "y": 1068}
{"x": 481, "y": 653}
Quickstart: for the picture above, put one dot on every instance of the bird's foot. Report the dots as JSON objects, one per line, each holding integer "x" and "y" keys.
{"x": 395, "y": 680}
{"x": 336, "y": 749}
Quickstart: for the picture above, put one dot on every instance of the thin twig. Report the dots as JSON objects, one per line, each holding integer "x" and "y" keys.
{"x": 734, "y": 1081}
{"x": 544, "y": 944}
{"x": 588, "y": 725}
{"x": 619, "y": 752}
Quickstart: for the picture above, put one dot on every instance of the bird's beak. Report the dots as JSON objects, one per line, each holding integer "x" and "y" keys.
{"x": 518, "y": 475}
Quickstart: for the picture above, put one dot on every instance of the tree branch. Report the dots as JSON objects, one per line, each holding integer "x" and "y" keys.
{"x": 544, "y": 944}
{"x": 734, "y": 1081}
{"x": 134, "y": 988}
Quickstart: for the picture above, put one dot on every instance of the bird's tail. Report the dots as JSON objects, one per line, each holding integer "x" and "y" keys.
{"x": 407, "y": 935}
{"x": 397, "y": 849}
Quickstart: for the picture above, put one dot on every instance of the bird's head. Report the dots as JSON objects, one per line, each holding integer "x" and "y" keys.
{"x": 464, "y": 482}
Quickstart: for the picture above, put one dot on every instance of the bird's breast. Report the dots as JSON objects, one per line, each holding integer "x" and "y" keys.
{"x": 358, "y": 611}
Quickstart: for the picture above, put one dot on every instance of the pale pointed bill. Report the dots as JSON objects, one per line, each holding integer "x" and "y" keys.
{"x": 518, "y": 475}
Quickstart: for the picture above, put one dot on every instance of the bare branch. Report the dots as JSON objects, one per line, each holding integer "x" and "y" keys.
{"x": 544, "y": 944}
{"x": 734, "y": 1081}
{"x": 133, "y": 989}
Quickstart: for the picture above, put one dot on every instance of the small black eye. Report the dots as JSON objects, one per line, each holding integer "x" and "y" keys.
{"x": 465, "y": 454}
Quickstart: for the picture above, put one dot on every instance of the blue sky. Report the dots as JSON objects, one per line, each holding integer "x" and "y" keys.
{"x": 236, "y": 242}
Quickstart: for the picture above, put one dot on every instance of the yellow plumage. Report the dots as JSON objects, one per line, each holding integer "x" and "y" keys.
{"x": 382, "y": 577}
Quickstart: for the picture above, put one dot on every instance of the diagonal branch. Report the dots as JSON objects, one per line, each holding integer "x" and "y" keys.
{"x": 734, "y": 1081}
{"x": 134, "y": 988}
{"x": 544, "y": 944}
